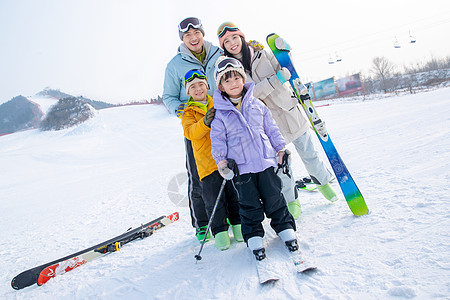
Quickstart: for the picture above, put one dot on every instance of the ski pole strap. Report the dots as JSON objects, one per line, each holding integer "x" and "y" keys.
{"x": 232, "y": 165}
{"x": 284, "y": 166}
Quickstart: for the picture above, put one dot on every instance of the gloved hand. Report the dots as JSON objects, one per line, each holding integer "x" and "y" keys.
{"x": 209, "y": 116}
{"x": 180, "y": 109}
{"x": 277, "y": 80}
{"x": 283, "y": 75}
{"x": 224, "y": 170}
{"x": 281, "y": 44}
{"x": 256, "y": 45}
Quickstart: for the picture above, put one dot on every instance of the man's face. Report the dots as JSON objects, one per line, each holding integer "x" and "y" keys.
{"x": 193, "y": 39}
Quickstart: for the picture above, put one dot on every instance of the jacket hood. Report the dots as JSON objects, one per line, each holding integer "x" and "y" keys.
{"x": 185, "y": 52}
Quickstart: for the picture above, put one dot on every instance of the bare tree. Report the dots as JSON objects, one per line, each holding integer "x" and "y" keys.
{"x": 382, "y": 69}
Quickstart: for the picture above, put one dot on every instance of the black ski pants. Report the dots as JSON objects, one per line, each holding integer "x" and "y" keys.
{"x": 259, "y": 194}
{"x": 199, "y": 217}
{"x": 228, "y": 205}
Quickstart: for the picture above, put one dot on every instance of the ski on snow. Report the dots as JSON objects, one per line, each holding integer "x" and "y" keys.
{"x": 307, "y": 184}
{"x": 348, "y": 186}
{"x": 266, "y": 269}
{"x": 41, "y": 274}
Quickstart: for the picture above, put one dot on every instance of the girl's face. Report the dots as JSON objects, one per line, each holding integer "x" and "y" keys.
{"x": 198, "y": 91}
{"x": 193, "y": 39}
{"x": 233, "y": 44}
{"x": 233, "y": 85}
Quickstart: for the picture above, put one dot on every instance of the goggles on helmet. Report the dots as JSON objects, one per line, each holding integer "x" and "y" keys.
{"x": 189, "y": 22}
{"x": 227, "y": 62}
{"x": 192, "y": 74}
{"x": 227, "y": 26}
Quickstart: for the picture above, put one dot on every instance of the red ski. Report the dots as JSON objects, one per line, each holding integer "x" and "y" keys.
{"x": 45, "y": 272}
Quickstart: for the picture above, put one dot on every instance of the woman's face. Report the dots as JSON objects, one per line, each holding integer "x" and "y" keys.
{"x": 233, "y": 44}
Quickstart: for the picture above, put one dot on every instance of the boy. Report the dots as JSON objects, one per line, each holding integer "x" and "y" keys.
{"x": 196, "y": 121}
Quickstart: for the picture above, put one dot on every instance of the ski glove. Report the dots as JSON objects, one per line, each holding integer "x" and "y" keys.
{"x": 281, "y": 44}
{"x": 209, "y": 116}
{"x": 224, "y": 169}
{"x": 283, "y": 75}
{"x": 256, "y": 45}
{"x": 180, "y": 110}
{"x": 280, "y": 78}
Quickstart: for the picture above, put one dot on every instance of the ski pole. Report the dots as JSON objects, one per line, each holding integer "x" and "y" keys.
{"x": 228, "y": 176}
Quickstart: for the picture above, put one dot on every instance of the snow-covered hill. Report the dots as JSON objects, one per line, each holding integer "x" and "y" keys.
{"x": 67, "y": 190}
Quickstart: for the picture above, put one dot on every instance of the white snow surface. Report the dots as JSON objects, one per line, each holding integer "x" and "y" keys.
{"x": 71, "y": 189}
{"x": 44, "y": 102}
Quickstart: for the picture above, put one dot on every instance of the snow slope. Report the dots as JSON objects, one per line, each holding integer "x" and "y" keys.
{"x": 44, "y": 102}
{"x": 67, "y": 190}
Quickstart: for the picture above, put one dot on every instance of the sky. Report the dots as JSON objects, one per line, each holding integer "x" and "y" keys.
{"x": 117, "y": 50}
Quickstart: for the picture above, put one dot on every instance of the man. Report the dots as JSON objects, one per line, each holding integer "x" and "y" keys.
{"x": 193, "y": 53}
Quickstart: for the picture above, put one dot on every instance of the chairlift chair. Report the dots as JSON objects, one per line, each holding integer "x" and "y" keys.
{"x": 412, "y": 39}
{"x": 331, "y": 60}
{"x": 396, "y": 43}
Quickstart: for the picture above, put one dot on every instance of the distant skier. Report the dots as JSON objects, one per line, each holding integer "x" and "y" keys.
{"x": 193, "y": 52}
{"x": 197, "y": 119}
{"x": 262, "y": 68}
{"x": 243, "y": 130}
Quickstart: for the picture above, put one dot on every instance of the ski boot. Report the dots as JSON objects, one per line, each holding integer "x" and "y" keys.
{"x": 222, "y": 240}
{"x": 200, "y": 234}
{"x": 328, "y": 192}
{"x": 237, "y": 233}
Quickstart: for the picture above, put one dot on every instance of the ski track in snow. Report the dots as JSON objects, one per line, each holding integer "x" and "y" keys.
{"x": 68, "y": 190}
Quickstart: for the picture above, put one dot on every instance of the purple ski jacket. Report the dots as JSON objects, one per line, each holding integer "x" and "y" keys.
{"x": 250, "y": 136}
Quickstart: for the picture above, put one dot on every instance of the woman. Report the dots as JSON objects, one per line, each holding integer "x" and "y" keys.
{"x": 263, "y": 69}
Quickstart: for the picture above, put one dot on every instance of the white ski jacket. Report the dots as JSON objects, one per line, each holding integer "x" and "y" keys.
{"x": 279, "y": 98}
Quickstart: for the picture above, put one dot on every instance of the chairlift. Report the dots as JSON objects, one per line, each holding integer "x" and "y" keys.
{"x": 331, "y": 60}
{"x": 396, "y": 43}
{"x": 412, "y": 39}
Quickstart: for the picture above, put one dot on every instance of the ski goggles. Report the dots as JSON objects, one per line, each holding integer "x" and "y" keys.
{"x": 189, "y": 22}
{"x": 192, "y": 74}
{"x": 228, "y": 62}
{"x": 227, "y": 26}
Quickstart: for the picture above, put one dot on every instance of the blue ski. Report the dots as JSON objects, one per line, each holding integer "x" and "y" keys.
{"x": 348, "y": 186}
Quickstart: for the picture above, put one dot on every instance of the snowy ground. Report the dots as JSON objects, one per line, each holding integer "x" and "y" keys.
{"x": 67, "y": 190}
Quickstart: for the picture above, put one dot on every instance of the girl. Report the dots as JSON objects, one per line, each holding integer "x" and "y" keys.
{"x": 196, "y": 125}
{"x": 244, "y": 130}
{"x": 262, "y": 68}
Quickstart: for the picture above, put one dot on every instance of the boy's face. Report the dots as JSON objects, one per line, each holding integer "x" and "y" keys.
{"x": 198, "y": 91}
{"x": 193, "y": 39}
{"x": 233, "y": 85}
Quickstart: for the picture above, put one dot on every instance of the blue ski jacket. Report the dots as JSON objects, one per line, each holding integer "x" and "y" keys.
{"x": 174, "y": 92}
